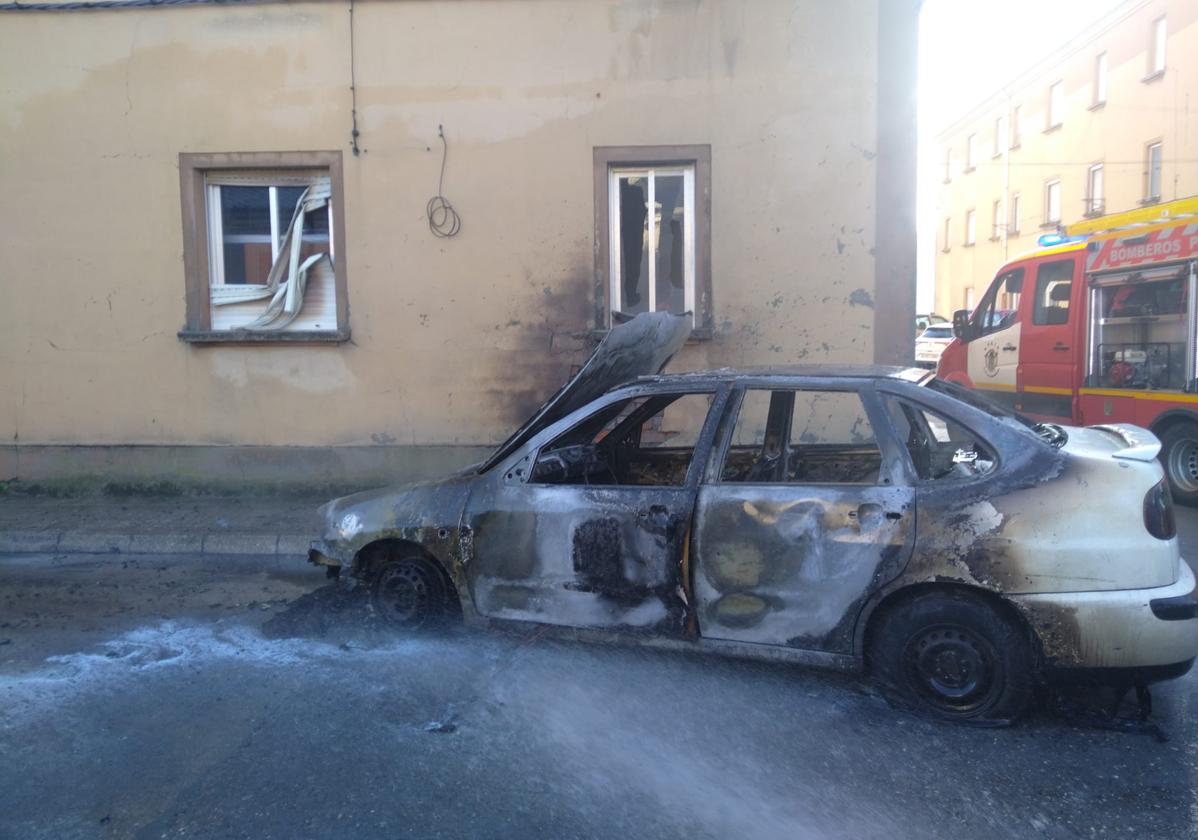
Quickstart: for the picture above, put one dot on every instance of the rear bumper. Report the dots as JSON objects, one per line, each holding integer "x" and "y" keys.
{"x": 1155, "y": 630}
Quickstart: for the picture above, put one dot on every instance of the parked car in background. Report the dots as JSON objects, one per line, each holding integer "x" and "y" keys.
{"x": 931, "y": 344}
{"x": 847, "y": 517}
{"x": 922, "y": 322}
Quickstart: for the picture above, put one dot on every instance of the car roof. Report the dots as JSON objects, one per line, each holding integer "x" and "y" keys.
{"x": 824, "y": 371}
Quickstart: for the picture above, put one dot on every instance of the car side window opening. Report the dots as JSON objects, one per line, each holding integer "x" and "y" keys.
{"x": 941, "y": 449}
{"x": 999, "y": 309}
{"x": 802, "y": 437}
{"x": 1054, "y": 284}
{"x": 637, "y": 442}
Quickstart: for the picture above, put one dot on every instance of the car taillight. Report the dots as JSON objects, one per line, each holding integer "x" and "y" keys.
{"x": 1158, "y": 512}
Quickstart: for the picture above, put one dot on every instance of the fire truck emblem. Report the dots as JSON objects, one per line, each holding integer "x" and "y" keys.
{"x": 990, "y": 360}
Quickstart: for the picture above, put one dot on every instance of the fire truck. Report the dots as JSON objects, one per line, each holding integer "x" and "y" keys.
{"x": 1097, "y": 326}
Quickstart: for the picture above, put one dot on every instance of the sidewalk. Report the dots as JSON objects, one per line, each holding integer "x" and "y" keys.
{"x": 98, "y": 523}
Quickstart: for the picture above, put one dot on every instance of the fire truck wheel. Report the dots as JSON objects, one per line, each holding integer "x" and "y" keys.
{"x": 1179, "y": 454}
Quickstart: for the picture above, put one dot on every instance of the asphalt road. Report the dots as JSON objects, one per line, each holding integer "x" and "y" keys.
{"x": 178, "y": 697}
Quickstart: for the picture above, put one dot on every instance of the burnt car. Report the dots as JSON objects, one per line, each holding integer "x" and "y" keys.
{"x": 850, "y": 517}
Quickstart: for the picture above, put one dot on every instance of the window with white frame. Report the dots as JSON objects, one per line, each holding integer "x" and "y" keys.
{"x": 1000, "y": 134}
{"x": 1157, "y": 51}
{"x": 1152, "y": 171}
{"x": 1094, "y": 199}
{"x": 1016, "y": 128}
{"x": 1013, "y": 224}
{"x": 971, "y": 228}
{"x": 263, "y": 246}
{"x": 1052, "y": 203}
{"x": 948, "y": 164}
{"x": 270, "y": 250}
{"x": 971, "y": 152}
{"x": 1056, "y": 104}
{"x": 947, "y": 242}
{"x": 1100, "y": 74}
{"x": 996, "y": 223}
{"x": 652, "y": 238}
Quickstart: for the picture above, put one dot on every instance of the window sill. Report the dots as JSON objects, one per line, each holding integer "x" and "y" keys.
{"x": 1053, "y": 127}
{"x": 947, "y": 181}
{"x": 1145, "y": 202}
{"x": 248, "y": 337}
{"x": 1011, "y": 234}
{"x": 1092, "y": 214}
{"x": 1014, "y": 146}
{"x": 996, "y": 239}
{"x": 968, "y": 244}
{"x": 968, "y": 169}
{"x": 697, "y": 334}
{"x": 1097, "y": 106}
{"x": 1050, "y": 225}
{"x": 1153, "y": 76}
{"x": 945, "y": 250}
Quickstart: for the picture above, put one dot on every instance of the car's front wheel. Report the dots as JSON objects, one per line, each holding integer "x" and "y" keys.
{"x": 410, "y": 592}
{"x": 953, "y": 656}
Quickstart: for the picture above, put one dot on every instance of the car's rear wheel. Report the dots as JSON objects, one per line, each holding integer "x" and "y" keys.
{"x": 1179, "y": 455}
{"x": 409, "y": 592}
{"x": 953, "y": 656}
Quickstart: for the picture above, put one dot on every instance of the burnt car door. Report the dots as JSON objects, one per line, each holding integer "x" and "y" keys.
{"x": 801, "y": 515}
{"x": 589, "y": 526}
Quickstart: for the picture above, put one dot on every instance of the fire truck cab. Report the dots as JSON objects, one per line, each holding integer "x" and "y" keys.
{"x": 1098, "y": 326}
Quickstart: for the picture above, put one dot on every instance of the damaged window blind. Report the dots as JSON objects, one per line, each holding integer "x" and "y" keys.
{"x": 271, "y": 252}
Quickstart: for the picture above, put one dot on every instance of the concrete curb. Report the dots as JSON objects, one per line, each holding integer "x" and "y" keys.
{"x": 216, "y": 543}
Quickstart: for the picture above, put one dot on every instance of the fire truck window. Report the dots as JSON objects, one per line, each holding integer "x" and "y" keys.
{"x": 1000, "y": 306}
{"x": 1054, "y": 284}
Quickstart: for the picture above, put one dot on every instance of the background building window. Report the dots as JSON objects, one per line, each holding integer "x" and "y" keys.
{"x": 1013, "y": 224}
{"x": 1157, "y": 48}
{"x": 653, "y": 228}
{"x": 997, "y": 221}
{"x": 1152, "y": 172}
{"x": 1016, "y": 128}
{"x": 969, "y": 298}
{"x": 1100, "y": 68}
{"x": 1094, "y": 197}
{"x": 1052, "y": 203}
{"x": 947, "y": 242}
{"x": 1000, "y": 134}
{"x": 970, "y": 227}
{"x": 948, "y": 165}
{"x": 263, "y": 247}
{"x": 1056, "y": 104}
{"x": 971, "y": 152}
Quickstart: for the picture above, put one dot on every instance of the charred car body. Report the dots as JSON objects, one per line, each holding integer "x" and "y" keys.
{"x": 837, "y": 516}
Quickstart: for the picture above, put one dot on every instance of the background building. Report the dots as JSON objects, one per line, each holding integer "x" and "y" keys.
{"x": 1108, "y": 122}
{"x": 153, "y": 158}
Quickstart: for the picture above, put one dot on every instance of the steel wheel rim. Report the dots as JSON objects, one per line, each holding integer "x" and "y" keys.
{"x": 952, "y": 668}
{"x": 403, "y": 594}
{"x": 1183, "y": 465}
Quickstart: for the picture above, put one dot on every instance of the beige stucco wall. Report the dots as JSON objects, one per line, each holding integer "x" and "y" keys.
{"x": 454, "y": 341}
{"x": 1137, "y": 111}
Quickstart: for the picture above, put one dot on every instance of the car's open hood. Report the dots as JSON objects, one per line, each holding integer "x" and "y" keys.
{"x": 640, "y": 347}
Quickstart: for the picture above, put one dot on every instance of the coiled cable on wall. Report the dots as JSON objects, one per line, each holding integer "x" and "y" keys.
{"x": 443, "y": 220}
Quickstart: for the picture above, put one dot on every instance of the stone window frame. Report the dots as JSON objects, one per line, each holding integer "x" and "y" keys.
{"x": 697, "y": 156}
{"x": 193, "y": 167}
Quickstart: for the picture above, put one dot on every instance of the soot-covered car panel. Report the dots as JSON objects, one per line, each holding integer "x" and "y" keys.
{"x": 791, "y": 510}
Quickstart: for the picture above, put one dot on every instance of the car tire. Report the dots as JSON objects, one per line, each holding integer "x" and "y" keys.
{"x": 953, "y": 656}
{"x": 409, "y": 592}
{"x": 1179, "y": 457}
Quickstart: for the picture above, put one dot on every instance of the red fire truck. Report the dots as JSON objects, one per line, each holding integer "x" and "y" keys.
{"x": 1097, "y": 326}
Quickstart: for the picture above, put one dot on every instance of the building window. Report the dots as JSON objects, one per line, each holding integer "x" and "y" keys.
{"x": 948, "y": 165}
{"x": 1056, "y": 105}
{"x": 1013, "y": 224}
{"x": 263, "y": 247}
{"x": 1094, "y": 198}
{"x": 1100, "y": 69}
{"x": 1016, "y": 128}
{"x": 947, "y": 242}
{"x": 1052, "y": 203}
{"x": 653, "y": 227}
{"x": 1000, "y": 134}
{"x": 1156, "y": 50}
{"x": 996, "y": 221}
{"x": 971, "y": 152}
{"x": 969, "y": 298}
{"x": 970, "y": 227}
{"x": 1152, "y": 172}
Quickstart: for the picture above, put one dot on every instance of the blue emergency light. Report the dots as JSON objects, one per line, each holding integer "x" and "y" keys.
{"x": 1047, "y": 240}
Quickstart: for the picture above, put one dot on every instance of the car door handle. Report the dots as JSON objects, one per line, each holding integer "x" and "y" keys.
{"x": 1009, "y": 347}
{"x": 1060, "y": 346}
